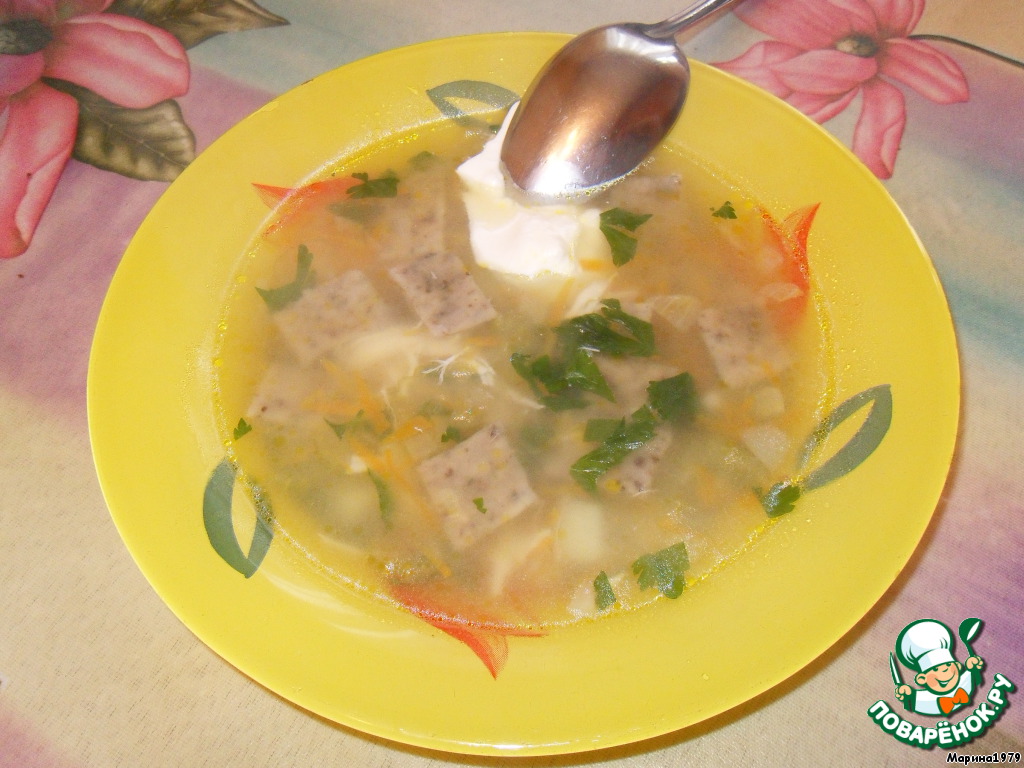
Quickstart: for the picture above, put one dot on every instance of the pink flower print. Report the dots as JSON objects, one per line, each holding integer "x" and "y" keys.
{"x": 124, "y": 60}
{"x": 824, "y": 53}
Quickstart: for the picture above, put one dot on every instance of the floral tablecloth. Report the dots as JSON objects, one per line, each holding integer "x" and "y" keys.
{"x": 102, "y": 103}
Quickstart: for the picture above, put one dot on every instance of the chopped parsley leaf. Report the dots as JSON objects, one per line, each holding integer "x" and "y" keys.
{"x": 243, "y": 428}
{"x": 779, "y": 499}
{"x": 671, "y": 400}
{"x": 626, "y": 438}
{"x": 559, "y": 386}
{"x": 599, "y": 430}
{"x": 278, "y": 298}
{"x": 451, "y": 435}
{"x": 674, "y": 398}
{"x": 478, "y": 502}
{"x": 385, "y": 186}
{"x": 604, "y": 595}
{"x": 619, "y": 217}
{"x": 584, "y": 374}
{"x": 560, "y": 380}
{"x": 618, "y": 225}
{"x": 423, "y": 159}
{"x": 664, "y": 569}
{"x": 384, "y": 498}
{"x": 623, "y": 245}
{"x": 725, "y": 211}
{"x": 603, "y": 332}
{"x": 341, "y": 427}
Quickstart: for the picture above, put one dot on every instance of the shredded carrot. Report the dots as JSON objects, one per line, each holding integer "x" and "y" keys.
{"x": 594, "y": 265}
{"x": 371, "y": 404}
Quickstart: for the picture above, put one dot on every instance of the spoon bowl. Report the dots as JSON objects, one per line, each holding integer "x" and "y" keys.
{"x": 600, "y": 106}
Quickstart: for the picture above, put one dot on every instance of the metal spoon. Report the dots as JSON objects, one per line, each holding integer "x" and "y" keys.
{"x": 600, "y": 106}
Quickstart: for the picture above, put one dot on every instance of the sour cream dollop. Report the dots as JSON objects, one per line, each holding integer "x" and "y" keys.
{"x": 523, "y": 238}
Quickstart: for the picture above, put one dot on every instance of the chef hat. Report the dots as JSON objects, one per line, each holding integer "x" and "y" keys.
{"x": 924, "y": 644}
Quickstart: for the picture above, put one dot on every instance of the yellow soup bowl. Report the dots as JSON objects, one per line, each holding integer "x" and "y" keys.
{"x": 809, "y": 577}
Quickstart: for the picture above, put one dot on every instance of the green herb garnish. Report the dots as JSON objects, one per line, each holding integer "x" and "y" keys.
{"x": 583, "y": 374}
{"x": 359, "y": 421}
{"x": 613, "y": 332}
{"x": 627, "y": 436}
{"x": 725, "y": 211}
{"x": 779, "y": 499}
{"x": 478, "y": 502}
{"x": 664, "y": 569}
{"x": 674, "y": 398}
{"x": 451, "y": 435}
{"x": 618, "y": 225}
{"x": 604, "y": 595}
{"x": 243, "y": 428}
{"x": 278, "y": 298}
{"x": 561, "y": 379}
{"x": 560, "y": 386}
{"x": 385, "y": 500}
{"x": 385, "y": 186}
{"x": 599, "y": 430}
{"x": 423, "y": 160}
{"x": 623, "y": 245}
{"x": 619, "y": 217}
{"x": 669, "y": 400}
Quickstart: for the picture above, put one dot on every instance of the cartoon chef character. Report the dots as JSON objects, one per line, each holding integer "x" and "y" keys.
{"x": 927, "y": 646}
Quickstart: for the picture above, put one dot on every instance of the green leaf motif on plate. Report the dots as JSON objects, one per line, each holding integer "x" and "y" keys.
{"x": 863, "y": 443}
{"x": 782, "y": 497}
{"x": 489, "y": 94}
{"x": 221, "y": 530}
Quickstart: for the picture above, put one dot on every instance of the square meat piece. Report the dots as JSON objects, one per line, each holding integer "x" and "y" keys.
{"x": 413, "y": 223}
{"x": 743, "y": 344}
{"x": 477, "y": 485}
{"x": 442, "y": 293}
{"x": 324, "y": 317}
{"x": 278, "y": 398}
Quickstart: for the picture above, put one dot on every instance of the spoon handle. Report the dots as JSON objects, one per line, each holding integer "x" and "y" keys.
{"x": 670, "y": 26}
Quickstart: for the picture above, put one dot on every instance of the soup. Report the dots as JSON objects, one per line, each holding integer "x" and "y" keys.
{"x": 518, "y": 450}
